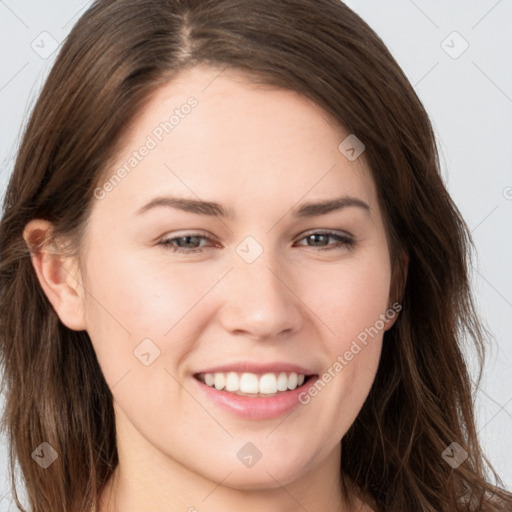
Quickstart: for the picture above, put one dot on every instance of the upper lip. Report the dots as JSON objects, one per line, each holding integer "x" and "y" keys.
{"x": 258, "y": 368}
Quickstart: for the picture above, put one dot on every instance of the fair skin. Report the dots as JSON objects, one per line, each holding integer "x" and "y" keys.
{"x": 261, "y": 153}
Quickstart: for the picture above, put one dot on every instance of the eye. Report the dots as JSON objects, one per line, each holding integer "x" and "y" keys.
{"x": 187, "y": 243}
{"x": 319, "y": 237}
{"x": 192, "y": 242}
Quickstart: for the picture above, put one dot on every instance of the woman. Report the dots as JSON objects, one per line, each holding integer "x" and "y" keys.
{"x": 232, "y": 277}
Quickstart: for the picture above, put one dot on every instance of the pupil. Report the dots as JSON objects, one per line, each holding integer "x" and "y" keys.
{"x": 188, "y": 238}
{"x": 315, "y": 237}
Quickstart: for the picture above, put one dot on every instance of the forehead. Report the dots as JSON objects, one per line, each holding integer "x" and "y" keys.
{"x": 216, "y": 135}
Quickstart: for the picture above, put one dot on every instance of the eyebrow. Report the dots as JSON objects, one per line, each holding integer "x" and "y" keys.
{"x": 200, "y": 207}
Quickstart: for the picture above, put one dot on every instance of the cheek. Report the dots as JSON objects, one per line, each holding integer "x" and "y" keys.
{"x": 359, "y": 326}
{"x": 129, "y": 301}
{"x": 349, "y": 298}
{"x": 146, "y": 295}
{"x": 352, "y": 307}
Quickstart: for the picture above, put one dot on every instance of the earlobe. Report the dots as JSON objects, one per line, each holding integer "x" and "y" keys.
{"x": 57, "y": 274}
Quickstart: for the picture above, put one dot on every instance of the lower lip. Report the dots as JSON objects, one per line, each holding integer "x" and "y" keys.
{"x": 257, "y": 408}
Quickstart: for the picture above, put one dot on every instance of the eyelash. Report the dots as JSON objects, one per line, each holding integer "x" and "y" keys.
{"x": 344, "y": 241}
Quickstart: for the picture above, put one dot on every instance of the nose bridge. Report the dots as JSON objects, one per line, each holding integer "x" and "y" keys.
{"x": 257, "y": 297}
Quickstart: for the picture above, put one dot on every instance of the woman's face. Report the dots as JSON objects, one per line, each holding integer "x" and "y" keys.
{"x": 254, "y": 291}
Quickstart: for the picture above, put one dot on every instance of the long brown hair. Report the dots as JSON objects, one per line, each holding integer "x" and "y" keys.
{"x": 114, "y": 58}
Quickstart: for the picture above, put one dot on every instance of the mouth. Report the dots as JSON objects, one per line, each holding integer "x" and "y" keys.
{"x": 255, "y": 385}
{"x": 250, "y": 390}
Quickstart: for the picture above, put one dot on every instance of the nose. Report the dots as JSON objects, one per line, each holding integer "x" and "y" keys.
{"x": 259, "y": 301}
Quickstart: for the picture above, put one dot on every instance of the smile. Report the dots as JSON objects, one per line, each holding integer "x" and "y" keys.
{"x": 252, "y": 391}
{"x": 252, "y": 384}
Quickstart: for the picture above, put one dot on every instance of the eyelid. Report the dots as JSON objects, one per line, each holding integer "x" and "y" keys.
{"x": 326, "y": 231}
{"x": 300, "y": 237}
{"x": 166, "y": 239}
{"x": 185, "y": 233}
{"x": 345, "y": 240}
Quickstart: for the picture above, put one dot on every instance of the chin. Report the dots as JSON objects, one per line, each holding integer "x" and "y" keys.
{"x": 268, "y": 473}
{"x": 248, "y": 480}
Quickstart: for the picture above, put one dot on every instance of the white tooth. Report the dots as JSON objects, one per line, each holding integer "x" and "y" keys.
{"x": 209, "y": 379}
{"x": 300, "y": 380}
{"x": 249, "y": 383}
{"x": 220, "y": 380}
{"x": 282, "y": 382}
{"x": 268, "y": 384}
{"x": 292, "y": 381}
{"x": 232, "y": 382}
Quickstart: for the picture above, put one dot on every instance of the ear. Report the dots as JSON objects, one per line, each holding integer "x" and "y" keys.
{"x": 397, "y": 289}
{"x": 57, "y": 273}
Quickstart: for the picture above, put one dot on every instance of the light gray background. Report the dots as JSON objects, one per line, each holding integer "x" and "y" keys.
{"x": 468, "y": 96}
